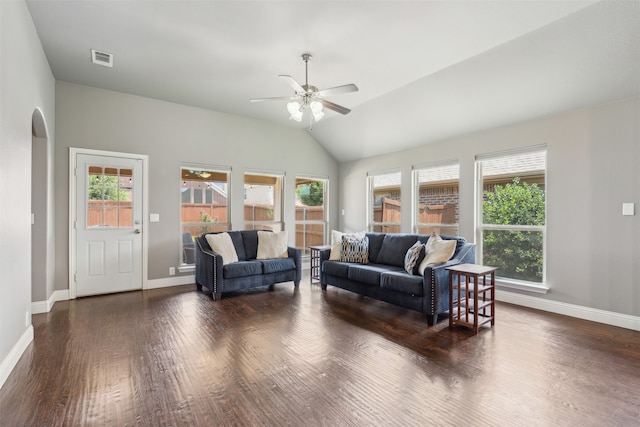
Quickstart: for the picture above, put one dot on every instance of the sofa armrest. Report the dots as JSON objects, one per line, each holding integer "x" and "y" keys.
{"x": 208, "y": 268}
{"x": 324, "y": 256}
{"x": 436, "y": 280}
{"x": 296, "y": 254}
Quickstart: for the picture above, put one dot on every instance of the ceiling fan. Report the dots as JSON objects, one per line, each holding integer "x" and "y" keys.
{"x": 309, "y": 96}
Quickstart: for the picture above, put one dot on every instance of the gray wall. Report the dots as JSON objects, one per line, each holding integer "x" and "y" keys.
{"x": 593, "y": 157}
{"x": 27, "y": 84}
{"x": 170, "y": 134}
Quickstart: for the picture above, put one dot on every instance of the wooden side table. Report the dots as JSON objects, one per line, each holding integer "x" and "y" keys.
{"x": 314, "y": 259}
{"x": 472, "y": 295}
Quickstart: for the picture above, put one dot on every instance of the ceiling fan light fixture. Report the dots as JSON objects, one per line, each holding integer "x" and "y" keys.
{"x": 295, "y": 111}
{"x": 316, "y": 110}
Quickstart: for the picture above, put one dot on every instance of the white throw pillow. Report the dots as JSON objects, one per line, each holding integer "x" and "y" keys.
{"x": 437, "y": 250}
{"x": 272, "y": 245}
{"x": 222, "y": 244}
{"x": 336, "y": 242}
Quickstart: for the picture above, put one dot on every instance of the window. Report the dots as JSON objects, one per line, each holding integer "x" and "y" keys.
{"x": 311, "y": 212}
{"x": 384, "y": 202}
{"x": 263, "y": 201}
{"x": 511, "y": 214}
{"x": 204, "y": 203}
{"x": 109, "y": 198}
{"x": 437, "y": 195}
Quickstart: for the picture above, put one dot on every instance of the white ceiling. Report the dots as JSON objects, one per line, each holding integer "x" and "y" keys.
{"x": 427, "y": 70}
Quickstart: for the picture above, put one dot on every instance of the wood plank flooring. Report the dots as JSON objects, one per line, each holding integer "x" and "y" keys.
{"x": 174, "y": 357}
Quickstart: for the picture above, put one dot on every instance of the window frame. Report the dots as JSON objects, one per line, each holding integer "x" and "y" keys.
{"x": 278, "y": 201}
{"x": 325, "y": 215}
{"x": 416, "y": 225}
{"x": 214, "y": 169}
{"x": 371, "y": 198}
{"x": 481, "y": 227}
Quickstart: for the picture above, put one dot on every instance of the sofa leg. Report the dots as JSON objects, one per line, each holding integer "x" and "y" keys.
{"x": 198, "y": 286}
{"x": 216, "y": 296}
{"x": 323, "y": 286}
{"x": 432, "y": 319}
{"x": 296, "y": 283}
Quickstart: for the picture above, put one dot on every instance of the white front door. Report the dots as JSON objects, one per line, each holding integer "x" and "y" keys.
{"x": 108, "y": 224}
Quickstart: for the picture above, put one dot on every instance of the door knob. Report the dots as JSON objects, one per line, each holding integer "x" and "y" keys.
{"x": 137, "y": 231}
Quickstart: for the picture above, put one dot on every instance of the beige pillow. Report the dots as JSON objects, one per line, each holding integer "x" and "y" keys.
{"x": 272, "y": 245}
{"x": 336, "y": 242}
{"x": 436, "y": 251}
{"x": 222, "y": 245}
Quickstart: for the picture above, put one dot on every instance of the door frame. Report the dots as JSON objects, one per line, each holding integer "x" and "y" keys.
{"x": 73, "y": 152}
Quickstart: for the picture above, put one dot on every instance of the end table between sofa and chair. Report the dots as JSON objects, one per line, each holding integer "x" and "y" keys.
{"x": 314, "y": 260}
{"x": 472, "y": 295}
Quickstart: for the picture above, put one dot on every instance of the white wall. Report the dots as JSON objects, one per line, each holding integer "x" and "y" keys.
{"x": 27, "y": 84}
{"x": 172, "y": 134}
{"x": 593, "y": 251}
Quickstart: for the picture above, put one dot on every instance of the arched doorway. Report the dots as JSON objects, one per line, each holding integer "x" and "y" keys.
{"x": 40, "y": 212}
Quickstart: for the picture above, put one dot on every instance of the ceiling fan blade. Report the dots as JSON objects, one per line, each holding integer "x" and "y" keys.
{"x": 335, "y": 107}
{"x": 337, "y": 90}
{"x": 276, "y": 98}
{"x": 293, "y": 83}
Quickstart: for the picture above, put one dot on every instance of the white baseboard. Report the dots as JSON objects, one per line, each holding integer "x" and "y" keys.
{"x": 587, "y": 313}
{"x": 38, "y": 307}
{"x": 9, "y": 362}
{"x": 171, "y": 281}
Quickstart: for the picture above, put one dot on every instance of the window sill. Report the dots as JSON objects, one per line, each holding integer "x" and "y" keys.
{"x": 186, "y": 268}
{"x": 538, "y": 288}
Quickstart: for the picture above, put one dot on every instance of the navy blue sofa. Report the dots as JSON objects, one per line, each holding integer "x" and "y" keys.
{"x": 248, "y": 272}
{"x": 385, "y": 279}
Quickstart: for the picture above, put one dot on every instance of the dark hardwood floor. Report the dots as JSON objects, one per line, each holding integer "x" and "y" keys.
{"x": 174, "y": 357}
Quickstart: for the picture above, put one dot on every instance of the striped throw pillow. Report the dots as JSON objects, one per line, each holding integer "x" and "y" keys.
{"x": 355, "y": 250}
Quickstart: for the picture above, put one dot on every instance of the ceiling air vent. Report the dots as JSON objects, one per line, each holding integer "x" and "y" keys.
{"x": 101, "y": 58}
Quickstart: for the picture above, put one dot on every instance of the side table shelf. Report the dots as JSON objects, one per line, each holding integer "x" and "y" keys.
{"x": 314, "y": 260}
{"x": 472, "y": 294}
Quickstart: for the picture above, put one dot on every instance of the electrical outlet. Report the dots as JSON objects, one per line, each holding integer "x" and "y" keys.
{"x": 172, "y": 271}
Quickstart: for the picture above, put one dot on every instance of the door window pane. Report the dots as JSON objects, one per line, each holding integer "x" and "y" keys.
{"x": 109, "y": 198}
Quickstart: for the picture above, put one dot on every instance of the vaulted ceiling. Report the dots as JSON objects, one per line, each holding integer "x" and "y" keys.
{"x": 427, "y": 70}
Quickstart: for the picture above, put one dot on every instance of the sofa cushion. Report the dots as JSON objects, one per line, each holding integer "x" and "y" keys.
{"x": 369, "y": 273}
{"x": 437, "y": 250}
{"x": 238, "y": 244}
{"x": 336, "y": 242}
{"x": 241, "y": 269}
{"x": 278, "y": 264}
{"x": 222, "y": 244}
{"x": 402, "y": 282}
{"x": 250, "y": 239}
{"x": 272, "y": 245}
{"x": 336, "y": 268}
{"x": 355, "y": 250}
{"x": 394, "y": 247}
{"x": 413, "y": 257}
{"x": 375, "y": 243}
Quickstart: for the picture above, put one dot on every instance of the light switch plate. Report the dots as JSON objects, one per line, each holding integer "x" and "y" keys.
{"x": 628, "y": 209}
{"x": 154, "y": 217}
